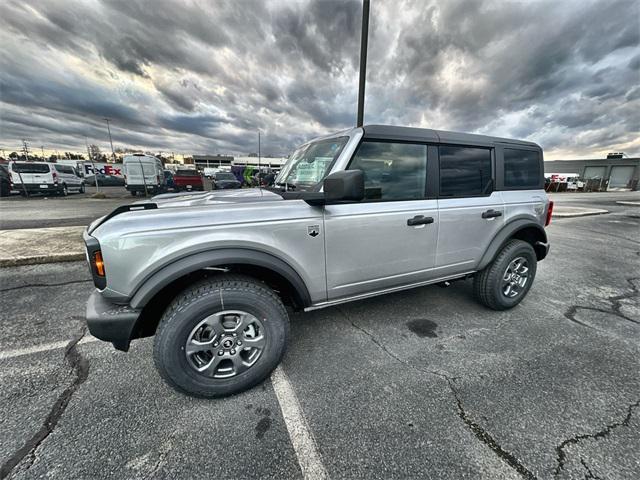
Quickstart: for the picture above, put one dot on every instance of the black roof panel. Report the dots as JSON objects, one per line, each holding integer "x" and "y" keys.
{"x": 442, "y": 136}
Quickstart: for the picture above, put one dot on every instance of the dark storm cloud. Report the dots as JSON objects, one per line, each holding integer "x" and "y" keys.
{"x": 204, "y": 76}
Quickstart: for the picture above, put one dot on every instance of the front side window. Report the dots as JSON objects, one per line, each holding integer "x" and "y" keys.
{"x": 309, "y": 164}
{"x": 521, "y": 168}
{"x": 392, "y": 171}
{"x": 464, "y": 171}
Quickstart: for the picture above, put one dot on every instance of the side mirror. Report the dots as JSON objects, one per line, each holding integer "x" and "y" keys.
{"x": 347, "y": 185}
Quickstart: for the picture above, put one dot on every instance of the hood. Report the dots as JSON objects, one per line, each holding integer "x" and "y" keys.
{"x": 217, "y": 197}
{"x": 181, "y": 200}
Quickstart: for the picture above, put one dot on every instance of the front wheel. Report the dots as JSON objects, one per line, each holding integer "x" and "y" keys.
{"x": 221, "y": 336}
{"x": 133, "y": 193}
{"x": 64, "y": 191}
{"x": 81, "y": 190}
{"x": 507, "y": 280}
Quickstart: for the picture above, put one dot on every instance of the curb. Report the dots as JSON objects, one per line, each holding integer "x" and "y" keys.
{"x": 40, "y": 259}
{"x": 626, "y": 202}
{"x": 579, "y": 214}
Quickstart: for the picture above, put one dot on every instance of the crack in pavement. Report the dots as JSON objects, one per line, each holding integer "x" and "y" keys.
{"x": 589, "y": 475}
{"x": 561, "y": 456}
{"x": 479, "y": 432}
{"x": 78, "y": 364}
{"x": 616, "y": 305}
{"x": 42, "y": 285}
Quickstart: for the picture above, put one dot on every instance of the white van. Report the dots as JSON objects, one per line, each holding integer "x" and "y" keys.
{"x": 153, "y": 179}
{"x": 45, "y": 177}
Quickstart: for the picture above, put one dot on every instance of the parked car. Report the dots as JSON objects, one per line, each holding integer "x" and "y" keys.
{"x": 5, "y": 181}
{"x": 224, "y": 180}
{"x": 45, "y": 177}
{"x": 105, "y": 180}
{"x": 188, "y": 180}
{"x": 143, "y": 172}
{"x": 365, "y": 212}
{"x": 169, "y": 183}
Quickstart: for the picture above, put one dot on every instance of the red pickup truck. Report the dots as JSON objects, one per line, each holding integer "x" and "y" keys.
{"x": 188, "y": 180}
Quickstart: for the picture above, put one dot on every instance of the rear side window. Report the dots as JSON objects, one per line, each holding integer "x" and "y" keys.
{"x": 392, "y": 171}
{"x": 464, "y": 171}
{"x": 23, "y": 167}
{"x": 521, "y": 168}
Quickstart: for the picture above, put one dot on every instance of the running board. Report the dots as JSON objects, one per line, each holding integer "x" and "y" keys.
{"x": 376, "y": 293}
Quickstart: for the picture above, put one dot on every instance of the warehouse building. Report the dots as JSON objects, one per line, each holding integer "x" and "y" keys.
{"x": 202, "y": 161}
{"x": 615, "y": 172}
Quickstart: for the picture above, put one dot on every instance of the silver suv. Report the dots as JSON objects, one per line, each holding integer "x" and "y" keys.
{"x": 363, "y": 212}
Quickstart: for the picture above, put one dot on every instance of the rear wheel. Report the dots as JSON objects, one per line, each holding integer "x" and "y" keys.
{"x": 221, "y": 336}
{"x": 507, "y": 280}
{"x": 133, "y": 193}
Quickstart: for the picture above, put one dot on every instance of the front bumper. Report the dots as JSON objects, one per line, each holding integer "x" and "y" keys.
{"x": 110, "y": 322}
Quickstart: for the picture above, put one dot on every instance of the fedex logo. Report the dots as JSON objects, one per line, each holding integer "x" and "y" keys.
{"x": 102, "y": 168}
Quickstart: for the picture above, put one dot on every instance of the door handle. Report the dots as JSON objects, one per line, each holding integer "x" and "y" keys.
{"x": 491, "y": 214}
{"x": 419, "y": 220}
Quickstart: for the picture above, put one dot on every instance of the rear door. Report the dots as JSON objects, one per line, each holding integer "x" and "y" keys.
{"x": 32, "y": 173}
{"x": 388, "y": 239}
{"x": 134, "y": 168}
{"x": 471, "y": 212}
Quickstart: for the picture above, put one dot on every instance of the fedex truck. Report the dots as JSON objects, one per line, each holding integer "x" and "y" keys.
{"x": 111, "y": 169}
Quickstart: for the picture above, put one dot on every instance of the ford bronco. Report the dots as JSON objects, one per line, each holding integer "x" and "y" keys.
{"x": 363, "y": 212}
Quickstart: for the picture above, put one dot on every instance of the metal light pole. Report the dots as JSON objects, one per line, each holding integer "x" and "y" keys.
{"x": 113, "y": 155}
{"x": 93, "y": 165}
{"x": 363, "y": 61}
{"x": 25, "y": 147}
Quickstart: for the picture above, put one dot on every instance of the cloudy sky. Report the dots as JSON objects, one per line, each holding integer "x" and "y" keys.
{"x": 203, "y": 77}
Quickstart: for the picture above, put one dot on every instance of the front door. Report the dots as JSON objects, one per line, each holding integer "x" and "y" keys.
{"x": 389, "y": 238}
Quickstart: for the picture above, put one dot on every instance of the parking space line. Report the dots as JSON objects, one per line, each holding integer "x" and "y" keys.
{"x": 301, "y": 437}
{"x": 43, "y": 348}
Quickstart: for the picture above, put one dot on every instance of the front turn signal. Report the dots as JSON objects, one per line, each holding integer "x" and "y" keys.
{"x": 98, "y": 263}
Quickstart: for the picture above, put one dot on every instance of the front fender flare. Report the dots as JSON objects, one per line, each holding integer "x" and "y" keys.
{"x": 212, "y": 258}
{"x": 507, "y": 232}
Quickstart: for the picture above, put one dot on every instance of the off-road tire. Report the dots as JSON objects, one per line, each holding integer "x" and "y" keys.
{"x": 487, "y": 283}
{"x": 222, "y": 292}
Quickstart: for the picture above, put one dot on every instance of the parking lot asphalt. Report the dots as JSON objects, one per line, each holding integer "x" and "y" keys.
{"x": 419, "y": 384}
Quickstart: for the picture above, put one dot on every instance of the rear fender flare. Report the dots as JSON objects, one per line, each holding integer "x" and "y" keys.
{"x": 506, "y": 233}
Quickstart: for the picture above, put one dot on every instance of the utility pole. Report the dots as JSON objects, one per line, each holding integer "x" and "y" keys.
{"x": 25, "y": 148}
{"x": 113, "y": 155}
{"x": 363, "y": 61}
{"x": 42, "y": 148}
{"x": 93, "y": 165}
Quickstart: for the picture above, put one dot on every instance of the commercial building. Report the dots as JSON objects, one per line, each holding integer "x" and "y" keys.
{"x": 613, "y": 173}
{"x": 202, "y": 161}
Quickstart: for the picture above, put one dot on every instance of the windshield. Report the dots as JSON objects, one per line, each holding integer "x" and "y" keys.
{"x": 30, "y": 167}
{"x": 225, "y": 176}
{"x": 309, "y": 164}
